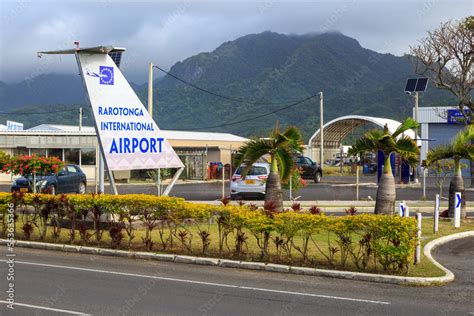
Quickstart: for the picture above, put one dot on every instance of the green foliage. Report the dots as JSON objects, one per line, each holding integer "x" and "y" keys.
{"x": 367, "y": 242}
{"x": 389, "y": 143}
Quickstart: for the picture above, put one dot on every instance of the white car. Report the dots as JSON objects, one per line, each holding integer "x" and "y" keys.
{"x": 253, "y": 185}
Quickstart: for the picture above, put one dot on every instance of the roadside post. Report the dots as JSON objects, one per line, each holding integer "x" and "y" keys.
{"x": 418, "y": 239}
{"x": 457, "y": 209}
{"x": 357, "y": 182}
{"x": 291, "y": 191}
{"x": 223, "y": 182}
{"x": 436, "y": 214}
{"x": 407, "y": 210}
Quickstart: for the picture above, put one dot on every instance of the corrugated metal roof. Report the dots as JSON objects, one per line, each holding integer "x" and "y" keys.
{"x": 49, "y": 129}
{"x": 336, "y": 130}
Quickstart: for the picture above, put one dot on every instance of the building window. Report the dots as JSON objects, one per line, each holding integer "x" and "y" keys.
{"x": 71, "y": 155}
{"x": 88, "y": 156}
{"x": 20, "y": 151}
{"x": 38, "y": 151}
{"x": 55, "y": 152}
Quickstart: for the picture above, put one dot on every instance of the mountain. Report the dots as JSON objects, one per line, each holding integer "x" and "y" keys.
{"x": 281, "y": 69}
{"x": 266, "y": 72}
{"x": 45, "y": 90}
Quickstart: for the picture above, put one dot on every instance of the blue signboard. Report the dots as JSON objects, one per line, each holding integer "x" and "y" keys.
{"x": 456, "y": 117}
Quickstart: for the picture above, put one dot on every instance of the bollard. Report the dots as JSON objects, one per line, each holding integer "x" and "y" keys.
{"x": 223, "y": 183}
{"x": 436, "y": 214}
{"x": 418, "y": 239}
{"x": 457, "y": 209}
{"x": 407, "y": 211}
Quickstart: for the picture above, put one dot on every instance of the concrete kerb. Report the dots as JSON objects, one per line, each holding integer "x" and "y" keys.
{"x": 381, "y": 278}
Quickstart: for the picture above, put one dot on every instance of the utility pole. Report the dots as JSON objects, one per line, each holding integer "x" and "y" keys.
{"x": 321, "y": 132}
{"x": 80, "y": 119}
{"x": 150, "y": 110}
{"x": 415, "y": 172}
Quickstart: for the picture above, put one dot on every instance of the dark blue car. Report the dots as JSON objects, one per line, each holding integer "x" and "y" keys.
{"x": 70, "y": 179}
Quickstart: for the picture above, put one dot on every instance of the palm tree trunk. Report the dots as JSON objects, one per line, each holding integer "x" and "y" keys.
{"x": 386, "y": 194}
{"x": 273, "y": 188}
{"x": 457, "y": 185}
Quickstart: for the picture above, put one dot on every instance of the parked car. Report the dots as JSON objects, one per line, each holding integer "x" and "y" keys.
{"x": 310, "y": 170}
{"x": 70, "y": 179}
{"x": 254, "y": 183}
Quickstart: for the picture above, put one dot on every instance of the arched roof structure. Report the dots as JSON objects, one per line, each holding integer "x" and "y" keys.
{"x": 336, "y": 130}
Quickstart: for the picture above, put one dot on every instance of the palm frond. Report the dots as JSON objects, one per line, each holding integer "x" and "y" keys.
{"x": 251, "y": 151}
{"x": 368, "y": 142}
{"x": 406, "y": 147}
{"x": 285, "y": 161}
{"x": 439, "y": 153}
{"x": 409, "y": 123}
{"x": 294, "y": 138}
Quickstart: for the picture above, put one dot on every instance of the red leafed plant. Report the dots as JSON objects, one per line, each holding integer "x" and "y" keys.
{"x": 25, "y": 165}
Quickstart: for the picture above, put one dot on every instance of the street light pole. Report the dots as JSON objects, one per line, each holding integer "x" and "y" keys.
{"x": 321, "y": 131}
{"x": 415, "y": 117}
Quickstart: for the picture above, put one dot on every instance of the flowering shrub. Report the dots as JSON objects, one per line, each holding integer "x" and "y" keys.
{"x": 306, "y": 237}
{"x": 25, "y": 165}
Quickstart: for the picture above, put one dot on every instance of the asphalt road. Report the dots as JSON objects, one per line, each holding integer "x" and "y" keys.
{"x": 74, "y": 283}
{"x": 331, "y": 188}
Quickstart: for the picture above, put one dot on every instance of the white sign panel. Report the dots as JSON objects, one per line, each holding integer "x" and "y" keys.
{"x": 457, "y": 209}
{"x": 129, "y": 136}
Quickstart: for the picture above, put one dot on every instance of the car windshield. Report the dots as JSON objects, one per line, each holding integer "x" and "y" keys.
{"x": 254, "y": 171}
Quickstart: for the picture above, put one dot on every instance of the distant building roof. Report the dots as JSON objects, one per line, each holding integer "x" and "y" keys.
{"x": 169, "y": 134}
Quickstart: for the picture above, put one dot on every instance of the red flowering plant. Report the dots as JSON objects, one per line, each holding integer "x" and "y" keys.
{"x": 33, "y": 166}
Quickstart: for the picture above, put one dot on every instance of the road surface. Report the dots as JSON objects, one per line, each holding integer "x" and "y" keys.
{"x": 55, "y": 283}
{"x": 332, "y": 188}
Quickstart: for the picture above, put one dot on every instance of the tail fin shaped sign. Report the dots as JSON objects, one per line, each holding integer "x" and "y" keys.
{"x": 129, "y": 137}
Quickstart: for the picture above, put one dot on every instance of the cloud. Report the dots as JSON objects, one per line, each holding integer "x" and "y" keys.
{"x": 165, "y": 32}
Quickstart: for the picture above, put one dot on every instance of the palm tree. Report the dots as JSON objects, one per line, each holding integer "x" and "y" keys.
{"x": 281, "y": 148}
{"x": 389, "y": 144}
{"x": 461, "y": 147}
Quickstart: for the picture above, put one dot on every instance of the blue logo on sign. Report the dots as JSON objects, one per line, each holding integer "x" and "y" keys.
{"x": 458, "y": 197}
{"x": 105, "y": 75}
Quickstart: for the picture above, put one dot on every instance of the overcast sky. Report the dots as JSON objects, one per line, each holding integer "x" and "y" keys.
{"x": 165, "y": 32}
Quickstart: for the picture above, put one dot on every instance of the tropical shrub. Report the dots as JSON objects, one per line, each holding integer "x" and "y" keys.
{"x": 363, "y": 242}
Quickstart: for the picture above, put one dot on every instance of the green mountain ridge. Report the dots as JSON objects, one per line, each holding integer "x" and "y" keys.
{"x": 271, "y": 69}
{"x": 275, "y": 68}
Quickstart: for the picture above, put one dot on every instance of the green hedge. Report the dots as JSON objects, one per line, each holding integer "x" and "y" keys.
{"x": 361, "y": 242}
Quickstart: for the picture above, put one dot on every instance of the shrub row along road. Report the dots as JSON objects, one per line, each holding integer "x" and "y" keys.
{"x": 74, "y": 283}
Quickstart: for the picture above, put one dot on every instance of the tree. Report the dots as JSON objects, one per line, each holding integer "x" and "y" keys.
{"x": 446, "y": 56}
{"x": 399, "y": 143}
{"x": 281, "y": 148}
{"x": 460, "y": 148}
{"x": 443, "y": 169}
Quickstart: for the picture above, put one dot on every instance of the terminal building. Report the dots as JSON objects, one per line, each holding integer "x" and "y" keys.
{"x": 197, "y": 150}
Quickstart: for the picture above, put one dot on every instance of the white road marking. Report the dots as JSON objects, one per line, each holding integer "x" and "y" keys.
{"x": 203, "y": 283}
{"x": 45, "y": 308}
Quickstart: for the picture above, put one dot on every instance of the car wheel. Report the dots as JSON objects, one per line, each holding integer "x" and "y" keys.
{"x": 52, "y": 190}
{"x": 317, "y": 177}
{"x": 82, "y": 188}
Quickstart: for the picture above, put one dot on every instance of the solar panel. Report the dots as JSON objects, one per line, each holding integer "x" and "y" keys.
{"x": 421, "y": 84}
{"x": 411, "y": 85}
{"x": 116, "y": 57}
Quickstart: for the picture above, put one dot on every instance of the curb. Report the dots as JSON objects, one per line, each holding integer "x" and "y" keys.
{"x": 280, "y": 268}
